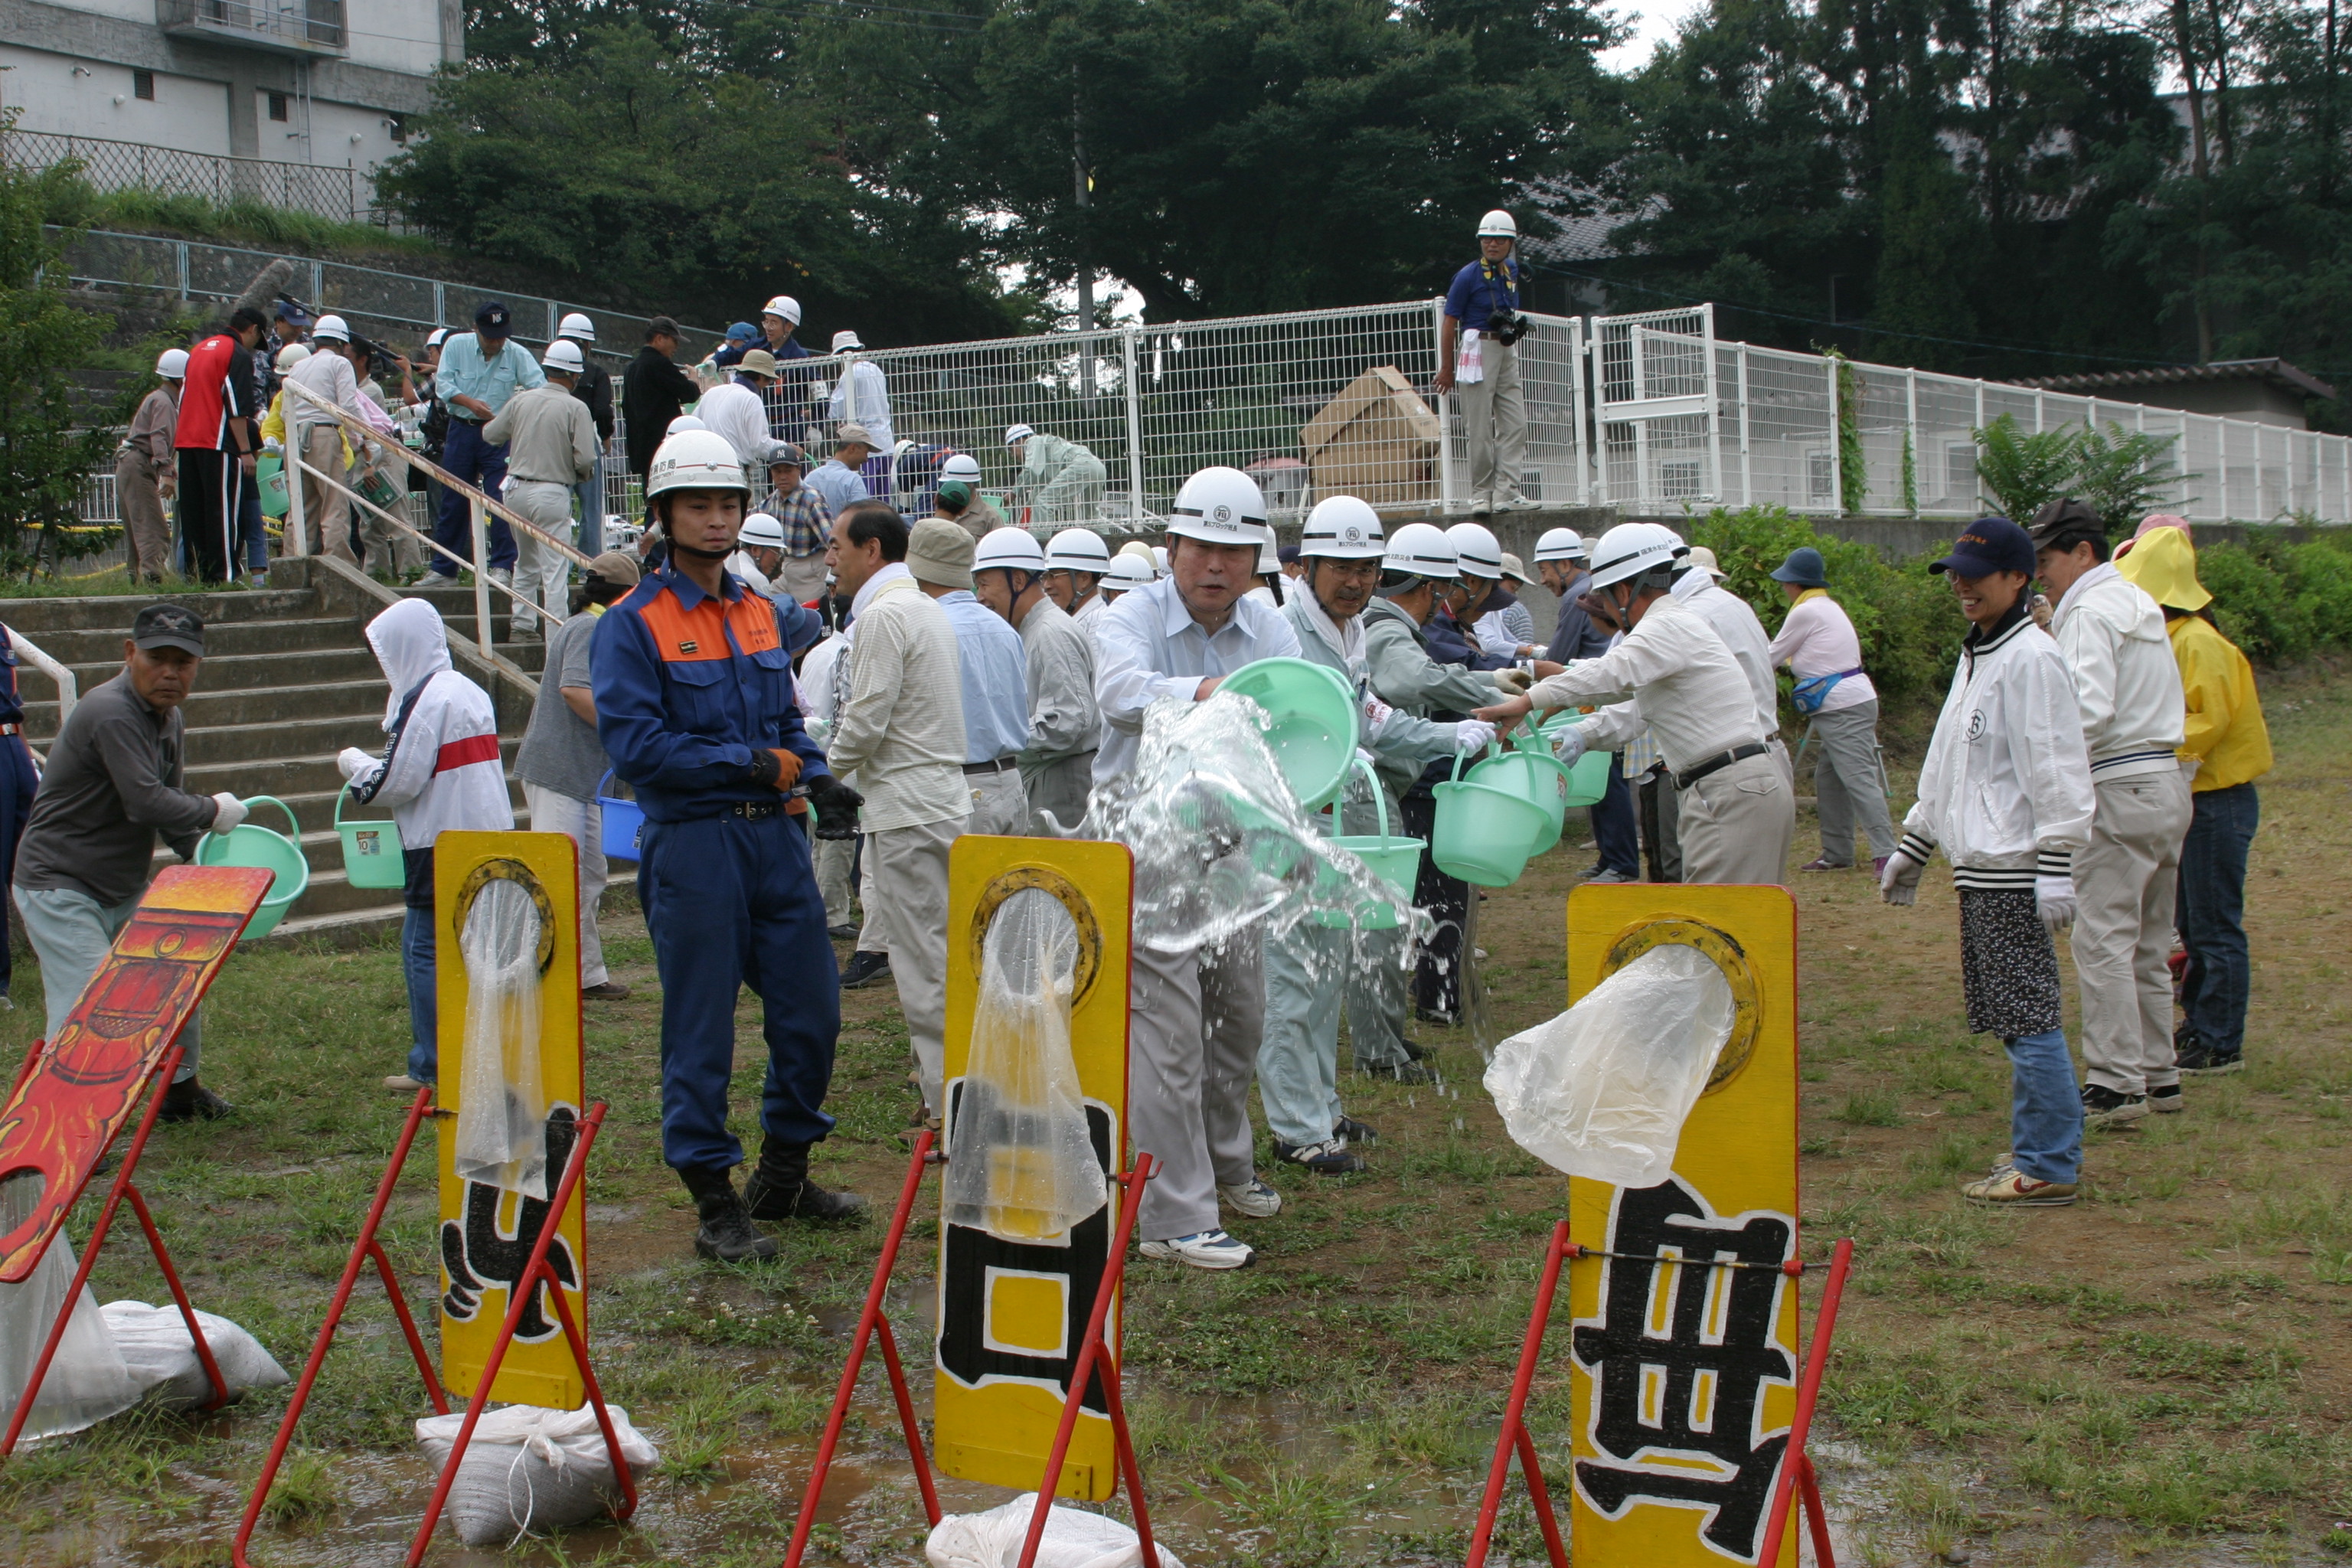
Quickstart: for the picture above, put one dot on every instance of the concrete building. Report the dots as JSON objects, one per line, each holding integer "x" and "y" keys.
{"x": 325, "y": 83}
{"x": 2266, "y": 391}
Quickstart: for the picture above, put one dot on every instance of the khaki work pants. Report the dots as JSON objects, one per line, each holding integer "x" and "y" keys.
{"x": 1736, "y": 824}
{"x": 907, "y": 895}
{"x": 146, "y": 537}
{"x": 1495, "y": 418}
{"x": 326, "y": 511}
{"x": 1063, "y": 786}
{"x": 1196, "y": 1020}
{"x": 2125, "y": 881}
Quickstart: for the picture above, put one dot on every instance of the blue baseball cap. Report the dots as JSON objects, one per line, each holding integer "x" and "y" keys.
{"x": 1803, "y": 567}
{"x": 491, "y": 319}
{"x": 741, "y": 333}
{"x": 1990, "y": 545}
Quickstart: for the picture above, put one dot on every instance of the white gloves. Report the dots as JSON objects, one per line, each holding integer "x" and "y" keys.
{"x": 2053, "y": 899}
{"x": 232, "y": 812}
{"x": 1570, "y": 747}
{"x": 1376, "y": 716}
{"x": 355, "y": 764}
{"x": 2188, "y": 766}
{"x": 1899, "y": 883}
{"x": 1511, "y": 682}
{"x": 1473, "y": 736}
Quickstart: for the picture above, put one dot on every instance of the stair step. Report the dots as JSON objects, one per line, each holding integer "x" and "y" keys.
{"x": 103, "y": 645}
{"x": 116, "y": 610}
{"x": 288, "y": 777}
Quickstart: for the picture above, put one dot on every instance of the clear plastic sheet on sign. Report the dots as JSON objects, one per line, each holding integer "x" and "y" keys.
{"x": 87, "y": 1380}
{"x": 502, "y": 1111}
{"x": 1020, "y": 1163}
{"x": 1603, "y": 1090}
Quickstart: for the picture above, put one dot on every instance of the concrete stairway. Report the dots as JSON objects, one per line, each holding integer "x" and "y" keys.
{"x": 289, "y": 681}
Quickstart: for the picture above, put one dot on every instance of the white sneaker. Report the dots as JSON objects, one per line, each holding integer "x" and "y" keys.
{"x": 1252, "y": 1198}
{"x": 1203, "y": 1249}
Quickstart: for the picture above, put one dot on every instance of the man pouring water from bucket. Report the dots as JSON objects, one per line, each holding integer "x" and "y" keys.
{"x": 1198, "y": 1016}
{"x": 1310, "y": 970}
{"x": 1674, "y": 675}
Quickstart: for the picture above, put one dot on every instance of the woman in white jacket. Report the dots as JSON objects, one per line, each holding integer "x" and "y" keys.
{"x": 2006, "y": 793}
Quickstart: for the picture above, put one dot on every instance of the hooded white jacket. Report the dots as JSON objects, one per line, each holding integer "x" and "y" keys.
{"x": 2006, "y": 789}
{"x": 2127, "y": 682}
{"x": 443, "y": 768}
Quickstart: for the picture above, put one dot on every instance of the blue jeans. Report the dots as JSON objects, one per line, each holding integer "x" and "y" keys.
{"x": 2211, "y": 916}
{"x": 1613, "y": 831}
{"x": 2045, "y": 1109}
{"x": 469, "y": 458}
{"x": 417, "y": 964}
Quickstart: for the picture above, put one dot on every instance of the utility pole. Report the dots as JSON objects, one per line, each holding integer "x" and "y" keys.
{"x": 1085, "y": 184}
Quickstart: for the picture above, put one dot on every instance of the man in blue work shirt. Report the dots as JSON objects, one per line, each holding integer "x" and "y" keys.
{"x": 479, "y": 370}
{"x": 694, "y": 703}
{"x": 1475, "y": 351}
{"x": 994, "y": 670}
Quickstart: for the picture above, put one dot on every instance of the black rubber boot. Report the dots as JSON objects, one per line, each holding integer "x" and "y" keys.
{"x": 188, "y": 1100}
{"x": 726, "y": 1234}
{"x": 779, "y": 1189}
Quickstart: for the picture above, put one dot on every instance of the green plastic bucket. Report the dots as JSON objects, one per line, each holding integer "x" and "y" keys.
{"x": 1483, "y": 834}
{"x": 1396, "y": 861}
{"x": 1588, "y": 781}
{"x": 1529, "y": 770}
{"x": 370, "y": 850}
{"x": 250, "y": 845}
{"x": 269, "y": 478}
{"x": 1312, "y": 732}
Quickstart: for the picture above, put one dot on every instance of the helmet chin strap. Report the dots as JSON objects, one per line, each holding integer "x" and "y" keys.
{"x": 682, "y": 548}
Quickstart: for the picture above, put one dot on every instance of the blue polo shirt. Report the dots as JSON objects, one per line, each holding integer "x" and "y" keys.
{"x": 1473, "y": 296}
{"x": 465, "y": 371}
{"x": 687, "y": 686}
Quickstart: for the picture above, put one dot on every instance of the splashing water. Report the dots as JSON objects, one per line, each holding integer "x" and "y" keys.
{"x": 1220, "y": 842}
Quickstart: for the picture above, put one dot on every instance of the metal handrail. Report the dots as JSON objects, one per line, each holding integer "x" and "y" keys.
{"x": 69, "y": 689}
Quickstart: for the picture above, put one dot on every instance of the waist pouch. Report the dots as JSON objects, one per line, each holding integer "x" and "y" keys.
{"x": 1809, "y": 693}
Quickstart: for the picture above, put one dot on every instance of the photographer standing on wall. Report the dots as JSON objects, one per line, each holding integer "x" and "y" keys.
{"x": 1474, "y": 350}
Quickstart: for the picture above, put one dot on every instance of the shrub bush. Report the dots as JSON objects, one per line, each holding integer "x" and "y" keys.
{"x": 2280, "y": 601}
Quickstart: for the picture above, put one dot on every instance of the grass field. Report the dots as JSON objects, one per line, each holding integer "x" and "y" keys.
{"x": 2161, "y": 1373}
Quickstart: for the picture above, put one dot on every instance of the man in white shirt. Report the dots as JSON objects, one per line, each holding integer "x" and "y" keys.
{"x": 2127, "y": 687}
{"x": 900, "y": 730}
{"x": 738, "y": 410}
{"x": 862, "y": 396}
{"x": 1196, "y": 1018}
{"x": 325, "y": 375}
{"x": 1819, "y": 644}
{"x": 1673, "y": 676}
{"x": 1698, "y": 584}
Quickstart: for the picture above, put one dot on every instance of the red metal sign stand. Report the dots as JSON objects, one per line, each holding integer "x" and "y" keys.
{"x": 1796, "y": 1481}
{"x": 535, "y": 1273}
{"x": 122, "y": 1189}
{"x": 873, "y": 1323}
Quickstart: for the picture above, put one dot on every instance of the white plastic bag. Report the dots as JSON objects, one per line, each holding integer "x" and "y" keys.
{"x": 1601, "y": 1091}
{"x": 531, "y": 1469}
{"x": 1020, "y": 1163}
{"x": 154, "y": 1345}
{"x": 1073, "y": 1539}
{"x": 502, "y": 1108}
{"x": 87, "y": 1381}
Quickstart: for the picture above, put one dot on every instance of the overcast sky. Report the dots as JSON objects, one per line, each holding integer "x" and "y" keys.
{"x": 1652, "y": 22}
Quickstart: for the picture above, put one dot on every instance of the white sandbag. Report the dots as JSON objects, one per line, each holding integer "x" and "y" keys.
{"x": 529, "y": 1468}
{"x": 1603, "y": 1090}
{"x": 155, "y": 1344}
{"x": 87, "y": 1381}
{"x": 1073, "y": 1539}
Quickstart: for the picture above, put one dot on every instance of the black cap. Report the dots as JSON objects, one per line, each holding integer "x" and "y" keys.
{"x": 1990, "y": 545}
{"x": 492, "y": 318}
{"x": 2065, "y": 516}
{"x": 169, "y": 626}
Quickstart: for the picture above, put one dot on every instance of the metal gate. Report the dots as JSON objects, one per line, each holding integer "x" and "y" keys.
{"x": 1655, "y": 409}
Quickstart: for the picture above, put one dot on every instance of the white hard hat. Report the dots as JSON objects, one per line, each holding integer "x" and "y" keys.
{"x": 1498, "y": 223}
{"x": 1342, "y": 528}
{"x": 1078, "y": 550}
{"x": 1127, "y": 572}
{"x": 1421, "y": 550}
{"x": 1631, "y": 549}
{"x": 1269, "y": 560}
{"x": 1016, "y": 548}
{"x": 563, "y": 355}
{"x": 437, "y": 337}
{"x": 695, "y": 460}
{"x": 962, "y": 466}
{"x": 1159, "y": 561}
{"x": 1219, "y": 506}
{"x": 784, "y": 305}
{"x": 760, "y": 529}
{"x": 846, "y": 339}
{"x": 577, "y": 325}
{"x": 1016, "y": 434}
{"x": 682, "y": 423}
{"x": 291, "y": 355}
{"x": 1480, "y": 552}
{"x": 173, "y": 364}
{"x": 331, "y": 330}
{"x": 1560, "y": 544}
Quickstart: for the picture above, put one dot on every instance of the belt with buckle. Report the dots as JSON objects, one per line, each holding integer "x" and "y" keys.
{"x": 12, "y": 729}
{"x": 1719, "y": 762}
{"x": 1001, "y": 764}
{"x": 754, "y": 810}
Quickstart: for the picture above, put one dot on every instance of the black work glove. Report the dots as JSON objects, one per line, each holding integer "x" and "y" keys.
{"x": 835, "y": 805}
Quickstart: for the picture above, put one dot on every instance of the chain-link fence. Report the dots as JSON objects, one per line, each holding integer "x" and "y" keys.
{"x": 345, "y": 195}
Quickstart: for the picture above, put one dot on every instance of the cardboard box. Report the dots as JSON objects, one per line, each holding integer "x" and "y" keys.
{"x": 1376, "y": 440}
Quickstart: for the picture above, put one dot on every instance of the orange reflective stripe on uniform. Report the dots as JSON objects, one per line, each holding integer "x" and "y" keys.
{"x": 690, "y": 636}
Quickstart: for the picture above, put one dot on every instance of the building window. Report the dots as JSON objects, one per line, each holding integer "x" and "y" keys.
{"x": 398, "y": 126}
{"x": 142, "y": 85}
{"x": 277, "y": 106}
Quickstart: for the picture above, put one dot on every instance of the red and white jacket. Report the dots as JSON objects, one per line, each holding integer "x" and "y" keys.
{"x": 442, "y": 769}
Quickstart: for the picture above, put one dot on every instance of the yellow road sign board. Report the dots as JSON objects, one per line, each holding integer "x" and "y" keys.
{"x": 1683, "y": 1378}
{"x": 487, "y": 1233}
{"x": 1012, "y": 1313}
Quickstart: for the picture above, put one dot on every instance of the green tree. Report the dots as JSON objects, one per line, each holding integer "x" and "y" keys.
{"x": 43, "y": 339}
{"x": 2124, "y": 474}
{"x": 2020, "y": 472}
